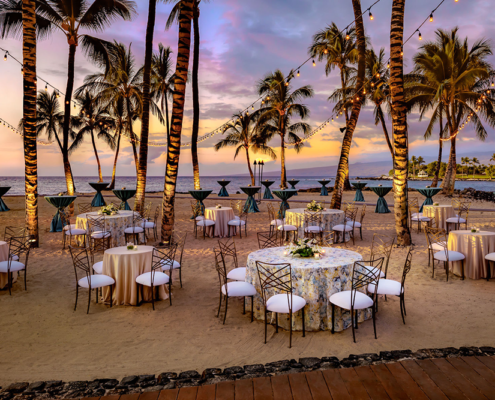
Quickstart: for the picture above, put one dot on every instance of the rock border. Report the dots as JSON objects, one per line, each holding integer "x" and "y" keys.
{"x": 172, "y": 380}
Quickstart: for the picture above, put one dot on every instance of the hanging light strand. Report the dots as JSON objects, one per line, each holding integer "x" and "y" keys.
{"x": 5, "y": 124}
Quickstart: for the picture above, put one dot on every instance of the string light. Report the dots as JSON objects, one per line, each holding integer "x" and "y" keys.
{"x": 5, "y": 56}
{"x": 419, "y": 36}
{"x": 314, "y": 64}
{"x": 431, "y": 17}
{"x": 371, "y": 17}
{"x": 298, "y": 73}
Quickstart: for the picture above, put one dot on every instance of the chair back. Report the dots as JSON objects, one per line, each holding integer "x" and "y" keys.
{"x": 180, "y": 240}
{"x": 164, "y": 256}
{"x": 84, "y": 208}
{"x": 463, "y": 210}
{"x": 413, "y": 201}
{"x": 236, "y": 205}
{"x": 278, "y": 281}
{"x": 271, "y": 212}
{"x": 268, "y": 239}
{"x": 350, "y": 216}
{"x": 65, "y": 221}
{"x": 138, "y": 221}
{"x": 19, "y": 246}
{"x": 228, "y": 249}
{"x": 407, "y": 267}
{"x": 221, "y": 269}
{"x": 381, "y": 246}
{"x": 326, "y": 239}
{"x": 349, "y": 205}
{"x": 13, "y": 231}
{"x": 80, "y": 260}
{"x": 196, "y": 210}
{"x": 147, "y": 211}
{"x": 312, "y": 218}
{"x": 437, "y": 236}
{"x": 365, "y": 273}
{"x": 96, "y": 223}
{"x": 157, "y": 215}
{"x": 363, "y": 213}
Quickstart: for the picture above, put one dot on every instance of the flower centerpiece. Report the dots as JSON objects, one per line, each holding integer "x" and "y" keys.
{"x": 314, "y": 206}
{"x": 475, "y": 230}
{"x": 131, "y": 246}
{"x": 108, "y": 210}
{"x": 436, "y": 204}
{"x": 305, "y": 248}
{"x": 218, "y": 206}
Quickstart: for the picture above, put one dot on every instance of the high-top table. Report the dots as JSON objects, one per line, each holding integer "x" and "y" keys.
{"x": 293, "y": 183}
{"x": 98, "y": 200}
{"x": 115, "y": 224}
{"x": 4, "y": 256}
{"x": 251, "y": 206}
{"x": 60, "y": 202}
{"x": 428, "y": 193}
{"x": 223, "y": 191}
{"x": 267, "y": 194}
{"x": 359, "y": 190}
{"x": 199, "y": 195}
{"x": 329, "y": 218}
{"x": 123, "y": 195}
{"x": 3, "y": 190}
{"x": 324, "y": 190}
{"x": 284, "y": 195}
{"x": 441, "y": 213}
{"x": 381, "y": 204}
{"x": 315, "y": 281}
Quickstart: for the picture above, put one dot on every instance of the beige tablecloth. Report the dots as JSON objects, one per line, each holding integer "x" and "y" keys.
{"x": 475, "y": 246}
{"x": 4, "y": 256}
{"x": 221, "y": 216}
{"x": 125, "y": 266}
{"x": 115, "y": 224}
{"x": 330, "y": 218}
{"x": 441, "y": 213}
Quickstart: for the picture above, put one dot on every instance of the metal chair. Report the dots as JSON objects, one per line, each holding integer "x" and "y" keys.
{"x": 84, "y": 208}
{"x": 381, "y": 247}
{"x": 180, "y": 241}
{"x": 268, "y": 239}
{"x": 416, "y": 216}
{"x": 313, "y": 223}
{"x": 358, "y": 224}
{"x": 136, "y": 229}
{"x": 347, "y": 226}
{"x": 18, "y": 247}
{"x": 99, "y": 236}
{"x": 70, "y": 230}
{"x": 228, "y": 249}
{"x": 462, "y": 215}
{"x": 440, "y": 238}
{"x": 239, "y": 221}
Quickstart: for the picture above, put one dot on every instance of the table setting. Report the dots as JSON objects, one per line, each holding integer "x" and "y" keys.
{"x": 223, "y": 191}
{"x": 428, "y": 192}
{"x": 381, "y": 204}
{"x": 123, "y": 195}
{"x": 441, "y": 212}
{"x": 329, "y": 218}
{"x": 60, "y": 202}
{"x": 221, "y": 215}
{"x": 251, "y": 206}
{"x": 98, "y": 200}
{"x": 3, "y": 191}
{"x": 359, "y": 190}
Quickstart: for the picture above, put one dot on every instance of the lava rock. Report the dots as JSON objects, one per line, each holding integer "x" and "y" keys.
{"x": 211, "y": 372}
{"x": 488, "y": 350}
{"x": 165, "y": 377}
{"x": 54, "y": 385}
{"x": 233, "y": 371}
{"x": 278, "y": 366}
{"x": 36, "y": 386}
{"x": 129, "y": 380}
{"x": 310, "y": 362}
{"x": 17, "y": 387}
{"x": 110, "y": 384}
{"x": 189, "y": 375}
{"x": 253, "y": 369}
{"x": 146, "y": 378}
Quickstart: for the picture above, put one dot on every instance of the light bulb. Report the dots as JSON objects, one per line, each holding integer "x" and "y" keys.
{"x": 431, "y": 17}
{"x": 5, "y": 57}
{"x": 347, "y": 37}
{"x": 314, "y": 64}
{"x": 377, "y": 75}
{"x": 371, "y": 17}
{"x": 298, "y": 73}
{"x": 419, "y": 36}
{"x": 46, "y": 88}
{"x": 325, "y": 51}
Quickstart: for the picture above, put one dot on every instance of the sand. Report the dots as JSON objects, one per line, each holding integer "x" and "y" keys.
{"x": 43, "y": 338}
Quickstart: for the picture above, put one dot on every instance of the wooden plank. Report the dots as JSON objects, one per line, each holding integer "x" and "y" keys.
{"x": 226, "y": 390}
{"x": 187, "y": 393}
{"x": 406, "y": 382}
{"x": 485, "y": 388}
{"x": 318, "y": 386}
{"x": 132, "y": 396}
{"x": 149, "y": 396}
{"x": 169, "y": 394}
{"x": 353, "y": 384}
{"x": 244, "y": 389}
{"x": 91, "y": 398}
{"x": 389, "y": 383}
{"x": 481, "y": 369}
{"x": 335, "y": 384}
{"x": 441, "y": 380}
{"x": 262, "y": 388}
{"x": 488, "y": 361}
{"x": 299, "y": 387}
{"x": 110, "y": 397}
{"x": 206, "y": 392}
{"x": 281, "y": 387}
{"x": 371, "y": 383}
{"x": 423, "y": 380}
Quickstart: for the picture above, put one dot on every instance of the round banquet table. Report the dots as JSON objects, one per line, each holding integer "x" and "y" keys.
{"x": 223, "y": 191}
{"x": 284, "y": 195}
{"x": 293, "y": 183}
{"x": 98, "y": 200}
{"x": 315, "y": 281}
{"x": 329, "y": 219}
{"x": 359, "y": 190}
{"x": 251, "y": 206}
{"x": 440, "y": 213}
{"x": 267, "y": 194}
{"x": 115, "y": 224}
{"x": 475, "y": 246}
{"x": 125, "y": 266}
{"x": 3, "y": 190}
{"x": 324, "y": 190}
{"x": 61, "y": 202}
{"x": 428, "y": 193}
{"x": 4, "y": 256}
{"x": 221, "y": 216}
{"x": 123, "y": 195}
{"x": 381, "y": 204}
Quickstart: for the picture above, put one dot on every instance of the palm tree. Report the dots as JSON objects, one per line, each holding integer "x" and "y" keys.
{"x": 414, "y": 161}
{"x": 173, "y": 150}
{"x": 421, "y": 161}
{"x": 121, "y": 127}
{"x": 475, "y": 162}
{"x": 242, "y": 133}
{"x": 29, "y": 118}
{"x": 436, "y": 176}
{"x": 399, "y": 123}
{"x": 281, "y": 104}
{"x": 145, "y": 118}
{"x": 69, "y": 17}
{"x": 492, "y": 159}
{"x": 465, "y": 161}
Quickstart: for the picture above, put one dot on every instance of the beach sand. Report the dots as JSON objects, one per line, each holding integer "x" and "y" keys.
{"x": 43, "y": 338}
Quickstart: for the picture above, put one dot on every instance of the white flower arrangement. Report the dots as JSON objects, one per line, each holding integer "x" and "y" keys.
{"x": 475, "y": 230}
{"x": 218, "y": 206}
{"x": 436, "y": 204}
{"x": 305, "y": 248}
{"x": 131, "y": 246}
{"x": 111, "y": 209}
{"x": 314, "y": 206}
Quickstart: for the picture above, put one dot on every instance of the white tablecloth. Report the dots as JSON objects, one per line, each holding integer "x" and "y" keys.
{"x": 221, "y": 216}
{"x": 115, "y": 224}
{"x": 125, "y": 266}
{"x": 329, "y": 218}
{"x": 315, "y": 281}
{"x": 441, "y": 213}
{"x": 4, "y": 256}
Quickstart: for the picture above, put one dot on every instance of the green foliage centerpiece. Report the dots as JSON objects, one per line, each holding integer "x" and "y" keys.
{"x": 305, "y": 248}
{"x": 314, "y": 206}
{"x": 108, "y": 210}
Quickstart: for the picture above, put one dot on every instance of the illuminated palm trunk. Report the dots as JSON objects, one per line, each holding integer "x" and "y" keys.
{"x": 69, "y": 179}
{"x": 173, "y": 151}
{"x": 399, "y": 124}
{"x": 440, "y": 150}
{"x": 142, "y": 166}
{"x": 448, "y": 183}
{"x": 343, "y": 168}
{"x": 195, "y": 93}
{"x": 112, "y": 184}
{"x": 283, "y": 175}
{"x": 249, "y": 166}
{"x": 29, "y": 118}
{"x": 100, "y": 177}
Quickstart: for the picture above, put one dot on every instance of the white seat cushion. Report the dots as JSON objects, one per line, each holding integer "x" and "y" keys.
{"x": 455, "y": 220}
{"x": 356, "y": 224}
{"x": 14, "y": 266}
{"x": 386, "y": 286}
{"x": 239, "y": 289}
{"x": 343, "y": 300}
{"x": 135, "y": 229}
{"x": 421, "y": 219}
{"x": 15, "y": 257}
{"x": 72, "y": 226}
{"x": 159, "y": 278}
{"x": 287, "y": 228}
{"x": 490, "y": 257}
{"x": 148, "y": 225}
{"x": 200, "y": 218}
{"x": 166, "y": 265}
{"x": 452, "y": 256}
{"x": 236, "y": 217}
{"x": 96, "y": 281}
{"x": 237, "y": 222}
{"x": 417, "y": 214}
{"x": 313, "y": 229}
{"x": 375, "y": 270}
{"x": 98, "y": 267}
{"x": 438, "y": 246}
{"x": 277, "y": 222}
{"x": 75, "y": 231}
{"x": 237, "y": 274}
{"x": 280, "y": 303}
{"x": 342, "y": 228}
{"x": 100, "y": 235}
{"x": 206, "y": 222}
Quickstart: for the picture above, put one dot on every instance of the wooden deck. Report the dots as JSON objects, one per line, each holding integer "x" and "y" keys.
{"x": 450, "y": 378}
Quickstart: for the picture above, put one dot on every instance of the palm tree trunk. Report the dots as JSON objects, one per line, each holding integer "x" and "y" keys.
{"x": 385, "y": 130}
{"x": 448, "y": 183}
{"x": 195, "y": 93}
{"x": 68, "y": 99}
{"x": 173, "y": 151}
{"x": 131, "y": 133}
{"x": 283, "y": 177}
{"x": 399, "y": 124}
{"x": 100, "y": 177}
{"x": 343, "y": 167}
{"x": 142, "y": 168}
{"x": 112, "y": 184}
{"x": 29, "y": 118}
{"x": 167, "y": 118}
{"x": 347, "y": 184}
{"x": 440, "y": 150}
{"x": 249, "y": 166}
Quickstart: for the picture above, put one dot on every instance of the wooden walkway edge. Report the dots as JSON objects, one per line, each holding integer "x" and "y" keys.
{"x": 442, "y": 378}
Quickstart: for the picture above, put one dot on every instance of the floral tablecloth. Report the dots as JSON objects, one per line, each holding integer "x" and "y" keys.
{"x": 315, "y": 281}
{"x": 115, "y": 224}
{"x": 329, "y": 219}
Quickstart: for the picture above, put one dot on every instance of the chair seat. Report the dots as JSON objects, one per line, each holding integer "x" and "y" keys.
{"x": 75, "y": 231}
{"x": 421, "y": 219}
{"x": 417, "y": 214}
{"x": 101, "y": 235}
{"x": 237, "y": 274}
{"x": 206, "y": 222}
{"x": 455, "y": 220}
{"x": 15, "y": 257}
{"x": 452, "y": 256}
{"x": 72, "y": 226}
{"x": 342, "y": 228}
{"x": 277, "y": 222}
{"x": 375, "y": 270}
{"x": 236, "y": 217}
{"x": 200, "y": 218}
{"x": 387, "y": 287}
{"x": 490, "y": 257}
{"x": 133, "y": 230}
{"x": 356, "y": 224}
{"x": 239, "y": 289}
{"x": 166, "y": 265}
{"x": 159, "y": 279}
{"x": 313, "y": 229}
{"x": 343, "y": 300}
{"x": 287, "y": 228}
{"x": 148, "y": 225}
{"x": 14, "y": 266}
{"x": 438, "y": 246}
{"x": 280, "y": 303}
{"x": 98, "y": 267}
{"x": 236, "y": 222}
{"x": 97, "y": 281}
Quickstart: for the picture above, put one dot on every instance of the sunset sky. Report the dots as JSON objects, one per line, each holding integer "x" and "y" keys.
{"x": 241, "y": 41}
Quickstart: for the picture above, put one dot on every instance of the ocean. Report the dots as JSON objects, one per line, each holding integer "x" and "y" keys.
{"x": 50, "y": 185}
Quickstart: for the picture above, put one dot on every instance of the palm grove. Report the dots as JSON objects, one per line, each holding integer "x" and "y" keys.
{"x": 449, "y": 85}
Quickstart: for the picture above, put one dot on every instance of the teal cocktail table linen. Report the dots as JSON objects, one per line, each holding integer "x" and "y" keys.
{"x": 293, "y": 183}
{"x": 123, "y": 195}
{"x": 98, "y": 200}
{"x": 60, "y": 202}
{"x": 267, "y": 194}
{"x": 428, "y": 193}
{"x": 359, "y": 187}
{"x": 223, "y": 191}
{"x": 251, "y": 206}
{"x": 200, "y": 195}
{"x": 324, "y": 190}
{"x": 284, "y": 195}
{"x": 381, "y": 204}
{"x": 3, "y": 190}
